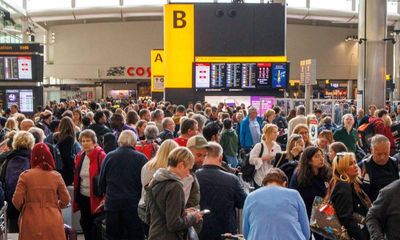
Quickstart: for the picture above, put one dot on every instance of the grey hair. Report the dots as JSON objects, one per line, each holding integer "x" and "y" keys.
{"x": 166, "y": 120}
{"x": 378, "y": 138}
{"x": 157, "y": 113}
{"x": 151, "y": 132}
{"x": 127, "y": 138}
{"x": 301, "y": 110}
{"x": 201, "y": 120}
{"x": 347, "y": 115}
{"x": 252, "y": 109}
{"x": 214, "y": 149}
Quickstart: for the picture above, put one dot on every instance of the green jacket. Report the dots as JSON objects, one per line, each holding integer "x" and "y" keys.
{"x": 229, "y": 142}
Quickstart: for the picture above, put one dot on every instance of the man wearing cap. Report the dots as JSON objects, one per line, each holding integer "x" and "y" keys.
{"x": 198, "y": 146}
{"x": 221, "y": 193}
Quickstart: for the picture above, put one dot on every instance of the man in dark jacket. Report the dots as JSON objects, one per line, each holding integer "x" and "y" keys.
{"x": 220, "y": 192}
{"x": 120, "y": 180}
{"x": 383, "y": 217}
{"x": 379, "y": 169}
{"x": 168, "y": 129}
{"x": 99, "y": 126}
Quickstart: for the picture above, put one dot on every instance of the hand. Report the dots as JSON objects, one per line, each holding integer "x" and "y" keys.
{"x": 198, "y": 216}
{"x": 296, "y": 150}
{"x": 268, "y": 157}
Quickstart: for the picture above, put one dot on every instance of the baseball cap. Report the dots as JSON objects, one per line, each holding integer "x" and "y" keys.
{"x": 197, "y": 141}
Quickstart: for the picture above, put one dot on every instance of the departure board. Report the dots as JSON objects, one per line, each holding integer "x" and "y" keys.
{"x": 15, "y": 68}
{"x": 248, "y": 75}
{"x": 233, "y": 75}
{"x": 218, "y": 74}
{"x": 21, "y": 97}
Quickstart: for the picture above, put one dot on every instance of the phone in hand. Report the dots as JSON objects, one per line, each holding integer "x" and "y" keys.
{"x": 205, "y": 211}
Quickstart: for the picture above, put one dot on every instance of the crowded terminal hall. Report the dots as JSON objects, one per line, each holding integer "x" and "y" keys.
{"x": 200, "y": 120}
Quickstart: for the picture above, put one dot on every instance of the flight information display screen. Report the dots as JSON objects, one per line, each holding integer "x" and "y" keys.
{"x": 15, "y": 67}
{"x": 237, "y": 76}
{"x": 21, "y": 97}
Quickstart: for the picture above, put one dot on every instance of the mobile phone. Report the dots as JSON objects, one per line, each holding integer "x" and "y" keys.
{"x": 205, "y": 211}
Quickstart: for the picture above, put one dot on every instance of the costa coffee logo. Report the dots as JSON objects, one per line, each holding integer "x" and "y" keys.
{"x": 121, "y": 71}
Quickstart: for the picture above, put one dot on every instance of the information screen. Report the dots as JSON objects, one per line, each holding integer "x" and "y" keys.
{"x": 237, "y": 76}
{"x": 16, "y": 68}
{"x": 279, "y": 75}
{"x": 22, "y": 97}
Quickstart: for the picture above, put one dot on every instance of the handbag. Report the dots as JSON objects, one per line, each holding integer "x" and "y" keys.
{"x": 96, "y": 180}
{"x": 325, "y": 222}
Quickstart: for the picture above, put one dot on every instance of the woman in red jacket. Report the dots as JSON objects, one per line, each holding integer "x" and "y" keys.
{"x": 87, "y": 166}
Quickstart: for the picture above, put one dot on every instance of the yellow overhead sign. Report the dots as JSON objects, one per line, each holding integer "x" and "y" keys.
{"x": 157, "y": 70}
{"x": 240, "y": 59}
{"x": 178, "y": 45}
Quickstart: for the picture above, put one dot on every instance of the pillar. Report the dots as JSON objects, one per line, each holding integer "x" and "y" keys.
{"x": 350, "y": 89}
{"x": 371, "y": 81}
{"x": 396, "y": 62}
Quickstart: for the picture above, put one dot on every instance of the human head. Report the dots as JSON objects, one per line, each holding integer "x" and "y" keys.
{"x": 302, "y": 129}
{"x": 37, "y": 133}
{"x": 252, "y": 113}
{"x": 336, "y": 147}
{"x": 151, "y": 132}
{"x": 46, "y": 116}
{"x": 311, "y": 164}
{"x": 325, "y": 138}
{"x": 269, "y": 114}
{"x": 14, "y": 108}
{"x": 227, "y": 123}
{"x": 88, "y": 140}
{"x": 127, "y": 138}
{"x": 189, "y": 127}
{"x": 23, "y": 140}
{"x": 132, "y": 117}
{"x": 144, "y": 114}
{"x": 11, "y": 124}
{"x": 344, "y": 167}
{"x": 372, "y": 108}
{"x": 180, "y": 161}
{"x": 198, "y": 146}
{"x": 269, "y": 132}
{"x": 293, "y": 141}
{"x": 211, "y": 131}
{"x": 157, "y": 115}
{"x": 41, "y": 157}
{"x": 348, "y": 120}
{"x": 160, "y": 160}
{"x": 117, "y": 121}
{"x": 168, "y": 124}
{"x": 300, "y": 110}
{"x": 54, "y": 126}
{"x": 201, "y": 121}
{"x": 214, "y": 154}
{"x": 26, "y": 124}
{"x": 380, "y": 149}
{"x": 275, "y": 176}
{"x": 99, "y": 117}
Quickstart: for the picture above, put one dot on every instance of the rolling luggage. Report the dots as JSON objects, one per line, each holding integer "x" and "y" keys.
{"x": 70, "y": 233}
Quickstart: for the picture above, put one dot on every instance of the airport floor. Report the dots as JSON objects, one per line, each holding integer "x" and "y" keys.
{"x": 14, "y": 236}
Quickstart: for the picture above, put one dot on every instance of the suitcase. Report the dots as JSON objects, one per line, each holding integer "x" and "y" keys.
{"x": 70, "y": 233}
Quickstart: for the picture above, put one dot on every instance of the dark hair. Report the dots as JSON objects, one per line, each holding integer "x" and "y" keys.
{"x": 275, "y": 175}
{"x": 142, "y": 112}
{"x": 93, "y": 105}
{"x": 277, "y": 109}
{"x": 132, "y": 117}
{"x": 67, "y": 113}
{"x": 180, "y": 108}
{"x": 117, "y": 121}
{"x": 304, "y": 170}
{"x": 382, "y": 112}
{"x": 338, "y": 147}
{"x": 85, "y": 121}
{"x": 187, "y": 124}
{"x": 67, "y": 128}
{"x": 98, "y": 115}
{"x": 227, "y": 123}
{"x": 54, "y": 125}
{"x": 210, "y": 130}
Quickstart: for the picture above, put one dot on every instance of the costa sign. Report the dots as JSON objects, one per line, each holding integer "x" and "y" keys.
{"x": 131, "y": 71}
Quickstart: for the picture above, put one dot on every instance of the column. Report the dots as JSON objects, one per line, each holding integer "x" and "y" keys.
{"x": 396, "y": 62}
{"x": 350, "y": 89}
{"x": 372, "y": 53}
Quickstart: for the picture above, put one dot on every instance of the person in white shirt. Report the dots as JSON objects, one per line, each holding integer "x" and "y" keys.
{"x": 263, "y": 160}
{"x": 300, "y": 118}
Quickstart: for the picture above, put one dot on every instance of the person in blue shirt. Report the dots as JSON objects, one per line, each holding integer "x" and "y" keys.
{"x": 275, "y": 211}
{"x": 250, "y": 130}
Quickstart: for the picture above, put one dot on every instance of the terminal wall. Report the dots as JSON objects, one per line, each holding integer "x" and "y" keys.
{"x": 82, "y": 51}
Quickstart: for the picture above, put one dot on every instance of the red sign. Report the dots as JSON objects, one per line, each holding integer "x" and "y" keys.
{"x": 138, "y": 71}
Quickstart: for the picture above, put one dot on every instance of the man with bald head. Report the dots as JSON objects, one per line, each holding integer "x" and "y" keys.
{"x": 26, "y": 124}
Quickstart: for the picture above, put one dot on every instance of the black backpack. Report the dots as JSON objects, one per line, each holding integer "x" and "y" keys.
{"x": 248, "y": 170}
{"x": 365, "y": 133}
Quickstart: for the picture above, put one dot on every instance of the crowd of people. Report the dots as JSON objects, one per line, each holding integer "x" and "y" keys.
{"x": 156, "y": 170}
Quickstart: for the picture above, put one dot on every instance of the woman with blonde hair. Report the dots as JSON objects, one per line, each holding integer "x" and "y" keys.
{"x": 264, "y": 152}
{"x": 11, "y": 125}
{"x": 269, "y": 116}
{"x": 347, "y": 197}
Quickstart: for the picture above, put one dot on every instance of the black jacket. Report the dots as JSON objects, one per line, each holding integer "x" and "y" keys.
{"x": 222, "y": 193}
{"x": 384, "y": 216}
{"x": 67, "y": 172}
{"x": 166, "y": 134}
{"x": 120, "y": 178}
{"x": 100, "y": 130}
{"x": 346, "y": 202}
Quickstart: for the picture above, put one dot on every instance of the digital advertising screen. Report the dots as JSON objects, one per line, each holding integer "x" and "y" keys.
{"x": 263, "y": 75}
{"x": 279, "y": 75}
{"x": 16, "y": 68}
{"x": 22, "y": 97}
{"x": 202, "y": 75}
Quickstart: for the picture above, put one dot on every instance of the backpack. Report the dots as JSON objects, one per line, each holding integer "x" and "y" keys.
{"x": 365, "y": 133}
{"x": 55, "y": 151}
{"x": 148, "y": 149}
{"x": 248, "y": 170}
{"x": 288, "y": 168}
